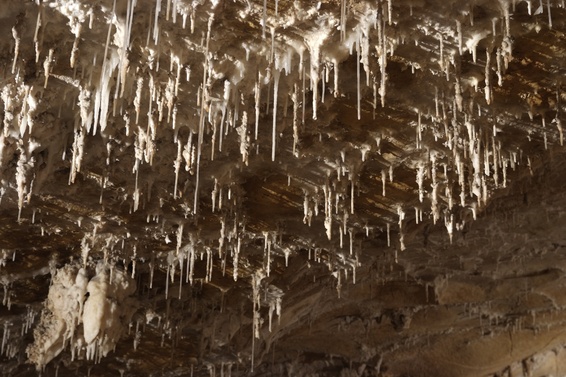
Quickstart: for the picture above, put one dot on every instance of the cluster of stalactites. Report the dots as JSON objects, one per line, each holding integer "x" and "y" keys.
{"x": 267, "y": 295}
{"x": 141, "y": 98}
{"x": 365, "y": 31}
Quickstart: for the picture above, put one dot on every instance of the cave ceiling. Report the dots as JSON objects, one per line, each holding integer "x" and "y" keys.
{"x": 295, "y": 188}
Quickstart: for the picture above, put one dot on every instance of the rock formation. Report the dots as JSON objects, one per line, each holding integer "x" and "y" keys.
{"x": 294, "y": 188}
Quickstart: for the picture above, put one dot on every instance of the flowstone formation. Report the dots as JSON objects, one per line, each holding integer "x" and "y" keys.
{"x": 100, "y": 304}
{"x": 282, "y": 187}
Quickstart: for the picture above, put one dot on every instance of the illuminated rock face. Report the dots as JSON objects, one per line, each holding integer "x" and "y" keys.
{"x": 282, "y": 188}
